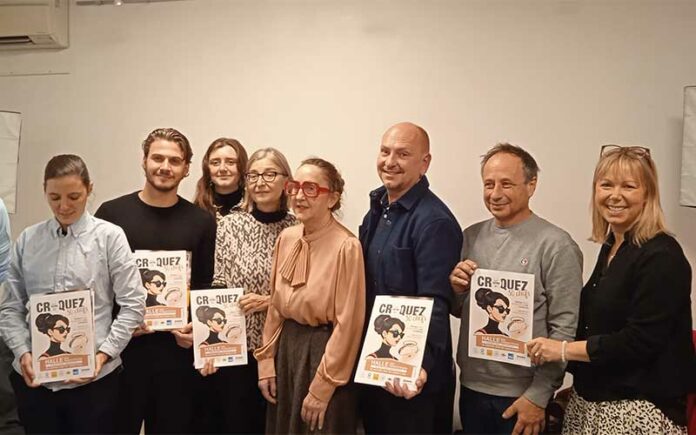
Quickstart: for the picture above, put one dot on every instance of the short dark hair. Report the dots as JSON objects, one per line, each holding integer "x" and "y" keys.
{"x": 384, "y": 322}
{"x": 64, "y": 165}
{"x": 147, "y": 275}
{"x": 531, "y": 169}
{"x": 204, "y": 313}
{"x": 486, "y": 297}
{"x": 46, "y": 321}
{"x": 171, "y": 135}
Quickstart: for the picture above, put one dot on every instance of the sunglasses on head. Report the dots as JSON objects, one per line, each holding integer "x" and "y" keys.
{"x": 396, "y": 334}
{"x": 62, "y": 329}
{"x": 501, "y": 309}
{"x": 636, "y": 151}
{"x": 219, "y": 320}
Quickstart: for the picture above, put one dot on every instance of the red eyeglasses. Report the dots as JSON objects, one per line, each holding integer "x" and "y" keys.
{"x": 310, "y": 189}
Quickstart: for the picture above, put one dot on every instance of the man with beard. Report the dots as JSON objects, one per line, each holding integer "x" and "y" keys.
{"x": 157, "y": 383}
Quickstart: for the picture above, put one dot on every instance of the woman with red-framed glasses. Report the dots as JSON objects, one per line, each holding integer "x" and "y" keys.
{"x": 316, "y": 314}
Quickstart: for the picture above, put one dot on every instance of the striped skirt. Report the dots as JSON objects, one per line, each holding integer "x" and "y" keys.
{"x": 299, "y": 353}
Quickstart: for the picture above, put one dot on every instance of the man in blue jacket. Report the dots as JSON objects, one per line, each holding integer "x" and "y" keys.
{"x": 411, "y": 242}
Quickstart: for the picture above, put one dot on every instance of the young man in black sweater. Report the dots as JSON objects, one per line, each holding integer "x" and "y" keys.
{"x": 158, "y": 381}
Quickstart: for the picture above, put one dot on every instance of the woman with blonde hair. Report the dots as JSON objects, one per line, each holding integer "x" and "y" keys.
{"x": 633, "y": 358}
{"x": 243, "y": 258}
{"x": 221, "y": 187}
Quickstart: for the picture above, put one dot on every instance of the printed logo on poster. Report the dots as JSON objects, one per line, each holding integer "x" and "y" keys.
{"x": 501, "y": 314}
{"x": 165, "y": 278}
{"x": 395, "y": 340}
{"x": 219, "y": 327}
{"x": 62, "y": 335}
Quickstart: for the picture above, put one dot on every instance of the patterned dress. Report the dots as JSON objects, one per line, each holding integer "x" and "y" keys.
{"x": 244, "y": 255}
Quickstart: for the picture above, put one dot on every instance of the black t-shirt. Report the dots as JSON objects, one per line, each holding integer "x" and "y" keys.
{"x": 182, "y": 226}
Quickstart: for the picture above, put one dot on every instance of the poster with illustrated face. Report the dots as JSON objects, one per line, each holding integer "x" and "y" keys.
{"x": 501, "y": 315}
{"x": 165, "y": 279}
{"x": 219, "y": 327}
{"x": 62, "y": 335}
{"x": 395, "y": 341}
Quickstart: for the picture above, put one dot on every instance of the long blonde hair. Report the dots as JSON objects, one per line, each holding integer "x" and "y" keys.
{"x": 279, "y": 160}
{"x": 651, "y": 221}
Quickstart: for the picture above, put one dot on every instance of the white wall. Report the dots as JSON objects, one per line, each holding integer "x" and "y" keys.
{"x": 327, "y": 77}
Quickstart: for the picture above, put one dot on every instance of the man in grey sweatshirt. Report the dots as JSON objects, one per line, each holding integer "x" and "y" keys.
{"x": 515, "y": 240}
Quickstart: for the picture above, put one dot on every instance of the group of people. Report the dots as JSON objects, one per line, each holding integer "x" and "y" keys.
{"x": 310, "y": 284}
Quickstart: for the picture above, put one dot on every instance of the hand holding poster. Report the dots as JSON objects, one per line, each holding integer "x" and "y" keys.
{"x": 164, "y": 275}
{"x": 501, "y": 315}
{"x": 219, "y": 327}
{"x": 395, "y": 341}
{"x": 62, "y": 335}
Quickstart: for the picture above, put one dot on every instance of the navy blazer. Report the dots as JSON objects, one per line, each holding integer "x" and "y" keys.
{"x": 422, "y": 242}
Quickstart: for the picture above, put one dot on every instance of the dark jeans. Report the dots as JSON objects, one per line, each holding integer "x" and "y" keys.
{"x": 429, "y": 413}
{"x": 482, "y": 413}
{"x": 88, "y": 408}
{"x": 9, "y": 420}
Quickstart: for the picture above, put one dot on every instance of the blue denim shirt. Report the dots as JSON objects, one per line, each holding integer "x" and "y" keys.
{"x": 410, "y": 248}
{"x": 94, "y": 254}
{"x": 5, "y": 241}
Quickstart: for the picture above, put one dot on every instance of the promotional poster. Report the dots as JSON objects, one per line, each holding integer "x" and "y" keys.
{"x": 395, "y": 341}
{"x": 219, "y": 327}
{"x": 501, "y": 315}
{"x": 62, "y": 335}
{"x": 165, "y": 277}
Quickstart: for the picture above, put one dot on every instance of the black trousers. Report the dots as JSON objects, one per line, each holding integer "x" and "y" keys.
{"x": 9, "y": 420}
{"x": 161, "y": 396}
{"x": 429, "y": 413}
{"x": 230, "y": 401}
{"x": 85, "y": 409}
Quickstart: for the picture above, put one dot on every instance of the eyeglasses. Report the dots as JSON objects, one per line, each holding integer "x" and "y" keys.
{"x": 310, "y": 189}
{"x": 268, "y": 176}
{"x": 62, "y": 329}
{"x": 501, "y": 309}
{"x": 396, "y": 334}
{"x": 219, "y": 321}
{"x": 159, "y": 283}
{"x": 637, "y": 151}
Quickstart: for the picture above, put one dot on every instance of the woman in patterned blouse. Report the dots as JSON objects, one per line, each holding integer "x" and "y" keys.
{"x": 243, "y": 257}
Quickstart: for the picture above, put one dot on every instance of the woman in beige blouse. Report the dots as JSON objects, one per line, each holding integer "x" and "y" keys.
{"x": 315, "y": 319}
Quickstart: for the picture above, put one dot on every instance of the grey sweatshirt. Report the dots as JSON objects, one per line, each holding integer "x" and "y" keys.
{"x": 537, "y": 247}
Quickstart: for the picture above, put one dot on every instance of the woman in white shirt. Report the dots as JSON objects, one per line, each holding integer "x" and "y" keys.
{"x": 72, "y": 250}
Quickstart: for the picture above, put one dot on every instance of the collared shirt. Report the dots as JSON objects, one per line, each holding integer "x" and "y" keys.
{"x": 5, "y": 241}
{"x": 93, "y": 254}
{"x": 410, "y": 248}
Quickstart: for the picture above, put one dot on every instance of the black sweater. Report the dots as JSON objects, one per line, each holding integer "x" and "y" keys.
{"x": 636, "y": 318}
{"x": 182, "y": 226}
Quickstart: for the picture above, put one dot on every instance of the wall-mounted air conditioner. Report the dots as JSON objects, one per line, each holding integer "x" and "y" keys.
{"x": 33, "y": 24}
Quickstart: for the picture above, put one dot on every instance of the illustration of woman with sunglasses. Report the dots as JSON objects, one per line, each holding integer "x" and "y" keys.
{"x": 57, "y": 327}
{"x": 391, "y": 329}
{"x": 497, "y": 305}
{"x": 154, "y": 282}
{"x": 214, "y": 318}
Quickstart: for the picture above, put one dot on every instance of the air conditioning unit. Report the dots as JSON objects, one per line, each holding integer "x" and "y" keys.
{"x": 33, "y": 24}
